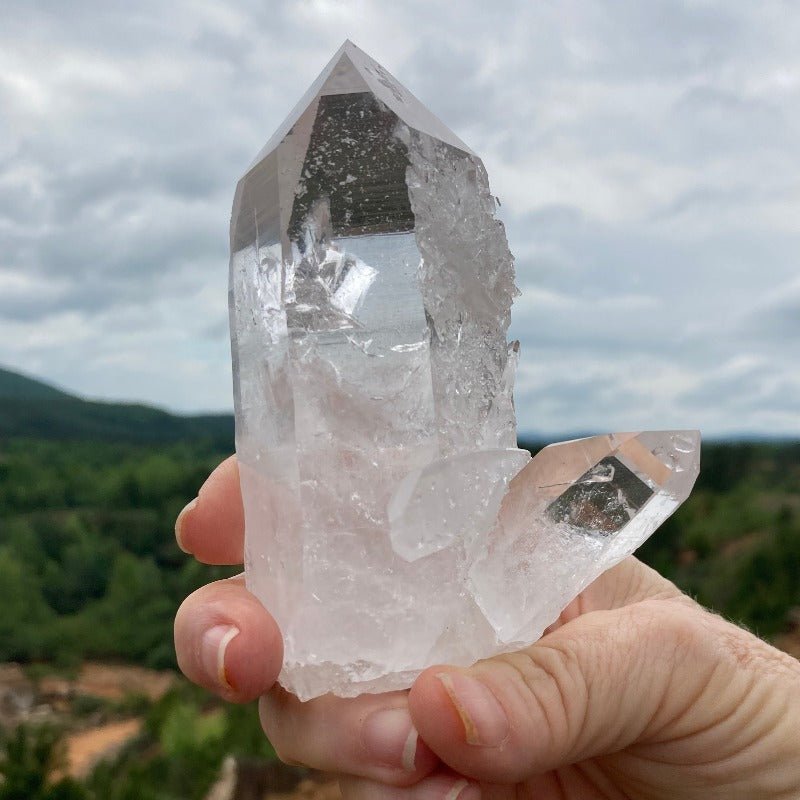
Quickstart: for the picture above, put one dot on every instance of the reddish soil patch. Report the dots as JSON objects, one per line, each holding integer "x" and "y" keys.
{"x": 115, "y": 681}
{"x": 86, "y": 748}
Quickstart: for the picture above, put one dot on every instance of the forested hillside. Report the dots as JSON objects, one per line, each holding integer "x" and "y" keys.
{"x": 31, "y": 408}
{"x": 88, "y": 562}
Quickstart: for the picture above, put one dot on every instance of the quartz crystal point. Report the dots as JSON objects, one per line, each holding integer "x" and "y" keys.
{"x": 391, "y": 523}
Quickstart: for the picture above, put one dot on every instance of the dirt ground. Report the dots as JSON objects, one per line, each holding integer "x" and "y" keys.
{"x": 49, "y": 699}
{"x": 86, "y": 748}
{"x": 115, "y": 681}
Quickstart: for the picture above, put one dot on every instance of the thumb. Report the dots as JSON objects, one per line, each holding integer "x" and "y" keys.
{"x": 593, "y": 686}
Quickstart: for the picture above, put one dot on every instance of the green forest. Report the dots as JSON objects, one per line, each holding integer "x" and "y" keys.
{"x": 89, "y": 569}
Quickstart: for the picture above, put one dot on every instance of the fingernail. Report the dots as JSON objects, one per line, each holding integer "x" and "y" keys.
{"x": 212, "y": 652}
{"x": 485, "y": 720}
{"x": 179, "y": 524}
{"x": 390, "y": 738}
{"x": 463, "y": 790}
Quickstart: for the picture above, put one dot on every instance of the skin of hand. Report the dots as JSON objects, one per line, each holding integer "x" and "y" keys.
{"x": 635, "y": 692}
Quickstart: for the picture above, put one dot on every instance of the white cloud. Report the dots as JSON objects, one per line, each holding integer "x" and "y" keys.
{"x": 645, "y": 154}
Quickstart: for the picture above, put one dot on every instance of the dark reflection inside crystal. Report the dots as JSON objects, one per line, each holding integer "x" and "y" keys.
{"x": 603, "y": 500}
{"x": 355, "y": 161}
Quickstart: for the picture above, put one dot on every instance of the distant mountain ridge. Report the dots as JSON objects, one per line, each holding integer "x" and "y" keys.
{"x": 34, "y": 408}
{"x": 17, "y": 385}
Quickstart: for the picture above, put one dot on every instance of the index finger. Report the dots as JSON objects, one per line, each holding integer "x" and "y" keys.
{"x": 211, "y": 527}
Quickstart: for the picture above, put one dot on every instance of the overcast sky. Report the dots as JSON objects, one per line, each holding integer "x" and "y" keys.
{"x": 647, "y": 155}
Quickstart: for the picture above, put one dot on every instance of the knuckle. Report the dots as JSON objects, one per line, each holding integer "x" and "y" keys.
{"x": 673, "y": 631}
{"x": 674, "y": 663}
{"x": 550, "y": 683}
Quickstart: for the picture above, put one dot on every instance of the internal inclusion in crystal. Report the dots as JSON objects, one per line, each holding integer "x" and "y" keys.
{"x": 391, "y": 522}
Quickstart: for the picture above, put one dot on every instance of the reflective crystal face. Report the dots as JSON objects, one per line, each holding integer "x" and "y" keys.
{"x": 575, "y": 510}
{"x": 371, "y": 289}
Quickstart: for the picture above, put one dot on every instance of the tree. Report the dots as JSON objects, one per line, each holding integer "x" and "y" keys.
{"x": 30, "y": 757}
{"x": 25, "y": 614}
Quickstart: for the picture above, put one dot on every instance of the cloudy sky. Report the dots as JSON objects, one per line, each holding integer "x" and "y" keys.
{"x": 646, "y": 155}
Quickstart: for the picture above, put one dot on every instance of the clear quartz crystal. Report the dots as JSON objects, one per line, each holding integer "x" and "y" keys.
{"x": 391, "y": 523}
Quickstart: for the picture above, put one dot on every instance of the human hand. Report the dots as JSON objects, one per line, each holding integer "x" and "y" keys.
{"x": 636, "y": 692}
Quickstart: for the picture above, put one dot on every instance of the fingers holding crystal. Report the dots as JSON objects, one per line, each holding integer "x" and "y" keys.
{"x": 226, "y": 641}
{"x": 211, "y": 527}
{"x": 594, "y": 686}
{"x": 370, "y": 736}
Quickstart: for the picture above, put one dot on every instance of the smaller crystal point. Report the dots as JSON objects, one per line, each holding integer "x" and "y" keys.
{"x": 577, "y": 509}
